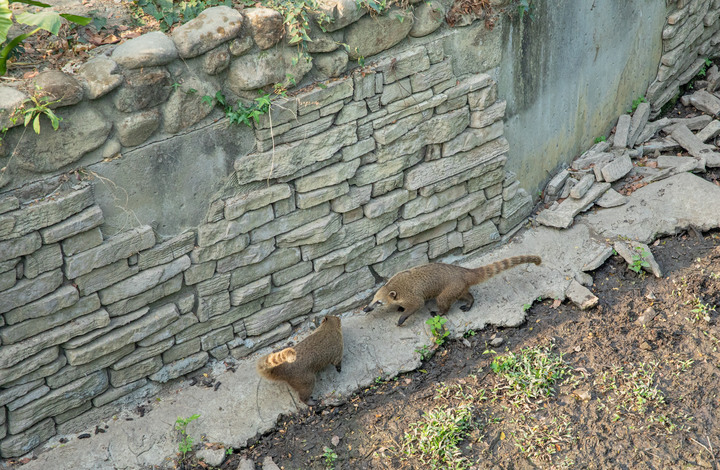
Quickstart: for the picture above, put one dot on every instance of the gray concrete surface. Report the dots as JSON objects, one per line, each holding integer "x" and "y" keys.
{"x": 243, "y": 405}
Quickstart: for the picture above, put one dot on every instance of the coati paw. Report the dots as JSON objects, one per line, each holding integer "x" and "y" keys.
{"x": 465, "y": 308}
{"x": 338, "y": 368}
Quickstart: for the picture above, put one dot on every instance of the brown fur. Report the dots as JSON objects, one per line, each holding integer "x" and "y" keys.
{"x": 298, "y": 365}
{"x": 408, "y": 290}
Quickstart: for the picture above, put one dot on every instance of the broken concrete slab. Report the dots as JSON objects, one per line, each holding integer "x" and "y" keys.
{"x": 638, "y": 257}
{"x": 695, "y": 147}
{"x": 706, "y": 102}
{"x": 622, "y": 130}
{"x": 709, "y": 132}
{"x": 679, "y": 163}
{"x": 617, "y": 168}
{"x": 581, "y": 295}
{"x": 611, "y": 198}
{"x": 638, "y": 122}
{"x": 651, "y": 128}
{"x": 563, "y": 216}
{"x": 581, "y": 187}
{"x": 694, "y": 123}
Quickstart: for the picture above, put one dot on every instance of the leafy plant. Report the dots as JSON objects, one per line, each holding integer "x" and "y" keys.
{"x": 636, "y": 102}
{"x": 373, "y": 6}
{"x": 434, "y": 439}
{"x": 169, "y": 13}
{"x": 47, "y": 20}
{"x": 330, "y": 457}
{"x": 526, "y": 7}
{"x": 245, "y": 114}
{"x": 437, "y": 328}
{"x": 186, "y": 441}
{"x": 703, "y": 69}
{"x": 638, "y": 260}
{"x": 701, "y": 310}
{"x": 602, "y": 138}
{"x": 424, "y": 352}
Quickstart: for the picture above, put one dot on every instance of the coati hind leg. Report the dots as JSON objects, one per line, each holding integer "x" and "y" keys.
{"x": 469, "y": 300}
{"x": 304, "y": 386}
{"x": 449, "y": 296}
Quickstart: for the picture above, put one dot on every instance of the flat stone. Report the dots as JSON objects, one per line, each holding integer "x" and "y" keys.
{"x": 28, "y": 290}
{"x": 99, "y": 77}
{"x": 252, "y": 291}
{"x": 580, "y": 295}
{"x": 58, "y": 86}
{"x": 341, "y": 288}
{"x": 386, "y": 203}
{"x": 314, "y": 232}
{"x": 150, "y": 49}
{"x": 636, "y": 252}
{"x": 81, "y": 222}
{"x": 10, "y": 100}
{"x": 291, "y": 273}
{"x": 144, "y": 280}
{"x": 238, "y": 205}
{"x": 167, "y": 332}
{"x": 371, "y": 35}
{"x": 117, "y": 338}
{"x": 328, "y": 176}
{"x": 356, "y": 197}
{"x": 135, "y": 372}
{"x": 166, "y": 251}
{"x": 288, "y": 158}
{"x": 250, "y": 255}
{"x": 695, "y": 147}
{"x": 27, "y": 364}
{"x": 279, "y": 259}
{"x": 220, "y": 249}
{"x": 217, "y": 60}
{"x": 268, "y": 318}
{"x": 208, "y": 30}
{"x": 638, "y": 122}
{"x": 82, "y": 242}
{"x": 480, "y": 235}
{"x": 563, "y": 216}
{"x": 710, "y": 131}
{"x": 423, "y": 205}
{"x": 706, "y": 102}
{"x": 303, "y": 286}
{"x": 617, "y": 168}
{"x": 22, "y": 443}
{"x": 120, "y": 246}
{"x": 678, "y": 163}
{"x": 289, "y": 222}
{"x": 15, "y": 247}
{"x": 51, "y": 211}
{"x": 622, "y": 130}
{"x": 318, "y": 196}
{"x": 611, "y": 198}
{"x": 265, "y": 26}
{"x": 428, "y": 17}
{"x": 693, "y": 123}
{"x": 114, "y": 393}
{"x": 582, "y": 186}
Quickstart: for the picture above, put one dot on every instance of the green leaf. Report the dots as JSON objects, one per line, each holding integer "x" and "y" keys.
{"x": 32, "y": 2}
{"x": 5, "y": 20}
{"x": 47, "y": 20}
{"x": 36, "y": 124}
{"x": 77, "y": 19}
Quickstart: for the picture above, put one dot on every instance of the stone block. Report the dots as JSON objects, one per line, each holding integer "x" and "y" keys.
{"x": 166, "y": 251}
{"x": 328, "y": 176}
{"x": 356, "y": 197}
{"x": 81, "y": 222}
{"x": 408, "y": 228}
{"x": 29, "y": 362}
{"x": 344, "y": 255}
{"x": 143, "y": 89}
{"x": 393, "y": 131}
{"x": 58, "y": 401}
{"x": 147, "y": 324}
{"x": 256, "y": 199}
{"x": 179, "y": 368}
{"x": 185, "y": 321}
{"x": 406, "y": 243}
{"x": 320, "y": 97}
{"x": 296, "y": 133}
{"x": 115, "y": 248}
{"x": 342, "y": 288}
{"x": 99, "y": 77}
{"x": 351, "y": 112}
{"x": 279, "y": 259}
{"x": 43, "y": 260}
{"x": 208, "y": 30}
{"x": 70, "y": 373}
{"x": 472, "y": 138}
{"x": 379, "y": 171}
{"x": 369, "y": 36}
{"x": 143, "y": 281}
{"x": 28, "y": 290}
{"x": 268, "y": 318}
{"x": 216, "y": 338}
{"x": 132, "y": 304}
{"x": 251, "y": 291}
{"x": 135, "y": 372}
{"x": 265, "y": 26}
{"x": 243, "y": 347}
{"x": 82, "y": 241}
{"x": 314, "y": 232}
{"x": 617, "y": 168}
{"x": 138, "y": 127}
{"x": 217, "y": 283}
{"x": 113, "y": 393}
{"x": 563, "y": 215}
{"x": 709, "y": 132}
{"x": 301, "y": 287}
{"x": 21, "y": 246}
{"x": 430, "y": 172}
{"x": 217, "y": 61}
{"x": 622, "y": 130}
{"x": 291, "y": 273}
{"x": 402, "y": 260}
{"x": 638, "y": 122}
{"x": 287, "y": 159}
{"x": 318, "y": 196}
{"x": 289, "y": 222}
{"x": 350, "y": 234}
{"x": 482, "y": 98}
{"x": 51, "y": 211}
{"x": 20, "y": 444}
{"x": 478, "y": 236}
{"x": 250, "y": 255}
{"x": 213, "y": 305}
{"x": 148, "y": 50}
{"x": 388, "y": 202}
{"x": 582, "y": 186}
{"x": 141, "y": 354}
{"x": 488, "y": 116}
{"x": 220, "y": 249}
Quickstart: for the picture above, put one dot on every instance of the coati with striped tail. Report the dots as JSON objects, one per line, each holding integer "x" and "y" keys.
{"x": 408, "y": 290}
{"x": 298, "y": 365}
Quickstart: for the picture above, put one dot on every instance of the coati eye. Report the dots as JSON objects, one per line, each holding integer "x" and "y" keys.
{"x": 401, "y": 309}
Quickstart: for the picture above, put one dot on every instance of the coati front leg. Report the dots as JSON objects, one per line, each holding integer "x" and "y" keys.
{"x": 409, "y": 308}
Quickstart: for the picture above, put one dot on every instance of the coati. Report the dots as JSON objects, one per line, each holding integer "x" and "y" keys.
{"x": 298, "y": 365}
{"x": 408, "y": 290}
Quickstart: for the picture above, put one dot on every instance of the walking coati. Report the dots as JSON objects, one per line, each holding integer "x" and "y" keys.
{"x": 408, "y": 290}
{"x": 298, "y": 365}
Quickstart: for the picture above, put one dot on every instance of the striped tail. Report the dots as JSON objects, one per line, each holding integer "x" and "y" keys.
{"x": 275, "y": 359}
{"x": 484, "y": 273}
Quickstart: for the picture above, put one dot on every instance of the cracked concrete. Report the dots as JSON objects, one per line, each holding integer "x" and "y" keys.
{"x": 244, "y": 405}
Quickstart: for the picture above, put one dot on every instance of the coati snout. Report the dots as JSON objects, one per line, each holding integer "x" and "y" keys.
{"x": 407, "y": 291}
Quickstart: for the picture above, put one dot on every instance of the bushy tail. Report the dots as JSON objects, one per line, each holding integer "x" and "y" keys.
{"x": 275, "y": 359}
{"x": 486, "y": 272}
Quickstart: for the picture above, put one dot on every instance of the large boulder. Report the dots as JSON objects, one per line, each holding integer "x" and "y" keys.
{"x": 371, "y": 35}
{"x": 211, "y": 28}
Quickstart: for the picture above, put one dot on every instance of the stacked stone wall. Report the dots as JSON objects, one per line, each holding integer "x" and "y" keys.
{"x": 691, "y": 35}
{"x": 351, "y": 179}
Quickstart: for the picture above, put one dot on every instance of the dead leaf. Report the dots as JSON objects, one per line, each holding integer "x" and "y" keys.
{"x": 556, "y": 303}
{"x": 502, "y": 436}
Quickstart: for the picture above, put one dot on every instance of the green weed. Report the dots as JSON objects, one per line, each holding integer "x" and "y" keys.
{"x": 636, "y": 102}
{"x": 639, "y": 260}
{"x": 330, "y": 457}
{"x": 437, "y": 328}
{"x": 186, "y": 441}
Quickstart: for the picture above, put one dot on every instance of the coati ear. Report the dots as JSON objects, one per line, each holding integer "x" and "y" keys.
{"x": 393, "y": 294}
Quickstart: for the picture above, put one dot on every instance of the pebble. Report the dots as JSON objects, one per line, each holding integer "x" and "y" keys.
{"x": 495, "y": 342}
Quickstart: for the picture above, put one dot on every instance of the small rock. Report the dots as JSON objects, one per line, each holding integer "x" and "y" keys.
{"x": 621, "y": 131}
{"x": 582, "y": 395}
{"x": 266, "y": 26}
{"x": 466, "y": 342}
{"x": 148, "y": 50}
{"x": 645, "y": 346}
{"x": 611, "y": 198}
{"x": 497, "y": 341}
{"x": 647, "y": 316}
{"x": 580, "y": 295}
{"x": 245, "y": 464}
{"x": 268, "y": 464}
{"x": 584, "y": 278}
{"x": 557, "y": 183}
{"x": 212, "y": 457}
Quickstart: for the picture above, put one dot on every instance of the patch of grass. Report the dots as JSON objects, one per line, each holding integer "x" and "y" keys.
{"x": 636, "y": 102}
{"x": 435, "y": 438}
{"x": 539, "y": 441}
{"x": 530, "y": 375}
{"x": 700, "y": 310}
{"x": 602, "y": 138}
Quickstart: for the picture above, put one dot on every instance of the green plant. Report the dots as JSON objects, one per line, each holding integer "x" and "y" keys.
{"x": 703, "y": 69}
{"x": 701, "y": 310}
{"x": 540, "y": 441}
{"x": 526, "y": 7}
{"x": 47, "y": 20}
{"x": 168, "y": 12}
{"x": 425, "y": 352}
{"x": 373, "y": 6}
{"x": 639, "y": 260}
{"x": 636, "y": 102}
{"x": 330, "y": 457}
{"x": 186, "y": 441}
{"x": 530, "y": 374}
{"x": 437, "y": 328}
{"x": 434, "y": 439}
{"x": 602, "y": 138}
{"x": 241, "y": 113}
{"x": 526, "y": 307}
